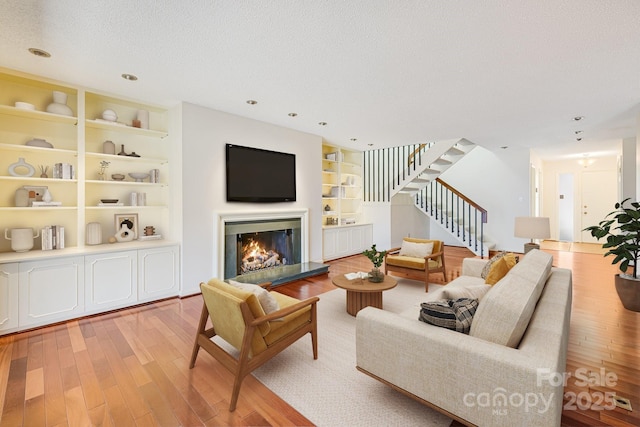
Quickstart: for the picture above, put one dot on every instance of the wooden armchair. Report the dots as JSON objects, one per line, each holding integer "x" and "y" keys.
{"x": 417, "y": 264}
{"x": 238, "y": 318}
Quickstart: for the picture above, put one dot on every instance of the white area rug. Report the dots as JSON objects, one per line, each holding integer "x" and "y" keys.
{"x": 330, "y": 391}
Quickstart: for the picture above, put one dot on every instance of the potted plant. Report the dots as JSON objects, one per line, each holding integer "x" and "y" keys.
{"x": 377, "y": 258}
{"x": 621, "y": 228}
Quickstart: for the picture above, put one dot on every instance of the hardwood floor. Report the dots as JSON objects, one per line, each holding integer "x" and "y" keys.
{"x": 131, "y": 367}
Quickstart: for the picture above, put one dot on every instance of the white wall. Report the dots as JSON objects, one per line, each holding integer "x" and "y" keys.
{"x": 408, "y": 221}
{"x": 499, "y": 182}
{"x": 204, "y": 135}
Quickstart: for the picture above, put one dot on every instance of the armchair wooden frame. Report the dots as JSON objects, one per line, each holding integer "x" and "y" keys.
{"x": 423, "y": 274}
{"x": 246, "y": 363}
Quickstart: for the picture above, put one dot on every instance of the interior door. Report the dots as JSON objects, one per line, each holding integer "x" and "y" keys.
{"x": 598, "y": 198}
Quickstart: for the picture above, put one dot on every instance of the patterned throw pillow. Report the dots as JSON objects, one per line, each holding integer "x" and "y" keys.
{"x": 456, "y": 315}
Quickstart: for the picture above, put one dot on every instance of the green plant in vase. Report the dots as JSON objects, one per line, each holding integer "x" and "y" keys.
{"x": 377, "y": 258}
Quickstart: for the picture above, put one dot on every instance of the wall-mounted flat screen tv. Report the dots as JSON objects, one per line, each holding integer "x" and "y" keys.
{"x": 256, "y": 175}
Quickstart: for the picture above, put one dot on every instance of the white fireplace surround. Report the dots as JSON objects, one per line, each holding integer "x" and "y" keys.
{"x": 222, "y": 218}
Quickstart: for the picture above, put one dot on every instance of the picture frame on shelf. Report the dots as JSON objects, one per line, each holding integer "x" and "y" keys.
{"x": 126, "y": 227}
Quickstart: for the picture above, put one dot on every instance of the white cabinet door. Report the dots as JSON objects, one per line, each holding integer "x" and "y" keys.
{"x": 8, "y": 297}
{"x": 345, "y": 241}
{"x": 111, "y": 280}
{"x": 158, "y": 273}
{"x": 329, "y": 243}
{"x": 50, "y": 290}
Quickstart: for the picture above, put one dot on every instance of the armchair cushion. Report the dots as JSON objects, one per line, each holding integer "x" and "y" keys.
{"x": 244, "y": 295}
{"x": 416, "y": 250}
{"x": 268, "y": 303}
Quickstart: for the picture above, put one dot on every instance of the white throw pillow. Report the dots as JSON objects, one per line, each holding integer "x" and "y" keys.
{"x": 416, "y": 250}
{"x": 267, "y": 301}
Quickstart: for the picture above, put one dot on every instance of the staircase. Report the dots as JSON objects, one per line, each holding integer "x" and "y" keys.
{"x": 414, "y": 170}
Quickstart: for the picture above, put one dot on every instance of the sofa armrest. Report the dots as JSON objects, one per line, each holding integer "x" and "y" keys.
{"x": 473, "y": 266}
{"x": 453, "y": 371}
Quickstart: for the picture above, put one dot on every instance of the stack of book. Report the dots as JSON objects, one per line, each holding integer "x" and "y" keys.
{"x": 52, "y": 237}
{"x": 64, "y": 171}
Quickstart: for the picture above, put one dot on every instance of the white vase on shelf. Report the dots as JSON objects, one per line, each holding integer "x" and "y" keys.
{"x": 21, "y": 168}
{"x": 59, "y": 104}
{"x": 47, "y": 197}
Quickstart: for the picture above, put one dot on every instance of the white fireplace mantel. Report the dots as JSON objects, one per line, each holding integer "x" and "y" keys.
{"x": 222, "y": 218}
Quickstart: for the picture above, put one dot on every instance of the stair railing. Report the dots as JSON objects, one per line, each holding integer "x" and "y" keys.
{"x": 386, "y": 168}
{"x": 454, "y": 211}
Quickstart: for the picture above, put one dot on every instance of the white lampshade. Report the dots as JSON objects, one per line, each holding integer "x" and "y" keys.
{"x": 532, "y": 227}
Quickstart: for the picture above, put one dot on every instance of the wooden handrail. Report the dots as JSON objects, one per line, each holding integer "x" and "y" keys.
{"x": 413, "y": 155}
{"x": 482, "y": 210}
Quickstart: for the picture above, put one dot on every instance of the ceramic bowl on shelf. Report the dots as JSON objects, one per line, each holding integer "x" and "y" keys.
{"x": 38, "y": 142}
{"x": 109, "y": 200}
{"x": 117, "y": 177}
{"x": 25, "y": 106}
{"x": 139, "y": 176}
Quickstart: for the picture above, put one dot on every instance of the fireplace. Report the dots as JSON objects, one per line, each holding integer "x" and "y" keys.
{"x": 262, "y": 242}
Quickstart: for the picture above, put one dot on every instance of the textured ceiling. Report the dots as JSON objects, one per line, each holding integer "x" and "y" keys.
{"x": 499, "y": 73}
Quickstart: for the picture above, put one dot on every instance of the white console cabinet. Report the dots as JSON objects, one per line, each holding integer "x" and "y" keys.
{"x": 111, "y": 280}
{"x": 8, "y": 296}
{"x": 343, "y": 241}
{"x": 50, "y": 290}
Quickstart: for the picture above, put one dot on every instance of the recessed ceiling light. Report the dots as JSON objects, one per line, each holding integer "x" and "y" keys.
{"x": 504, "y": 147}
{"x": 129, "y": 77}
{"x": 578, "y": 132}
{"x": 292, "y": 114}
{"x": 353, "y": 139}
{"x": 370, "y": 145}
{"x": 39, "y": 52}
{"x": 578, "y": 118}
{"x": 252, "y": 102}
{"x": 578, "y": 139}
{"x": 322, "y": 123}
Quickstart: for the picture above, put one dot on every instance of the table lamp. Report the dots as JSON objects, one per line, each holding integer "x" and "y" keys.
{"x": 532, "y": 227}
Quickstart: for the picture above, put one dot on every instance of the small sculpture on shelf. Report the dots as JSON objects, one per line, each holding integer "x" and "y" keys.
{"x": 43, "y": 170}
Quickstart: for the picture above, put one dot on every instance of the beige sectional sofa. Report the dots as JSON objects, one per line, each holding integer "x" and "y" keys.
{"x": 505, "y": 372}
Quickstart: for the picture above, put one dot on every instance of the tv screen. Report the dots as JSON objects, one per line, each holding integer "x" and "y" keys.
{"x": 255, "y": 175}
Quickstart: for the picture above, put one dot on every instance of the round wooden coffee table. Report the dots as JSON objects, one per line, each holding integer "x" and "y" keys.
{"x": 362, "y": 293}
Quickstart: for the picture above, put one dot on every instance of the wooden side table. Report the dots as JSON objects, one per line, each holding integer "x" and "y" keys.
{"x": 362, "y": 293}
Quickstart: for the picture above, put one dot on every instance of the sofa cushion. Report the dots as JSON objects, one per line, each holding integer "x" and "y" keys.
{"x": 500, "y": 268}
{"x": 456, "y": 315}
{"x": 417, "y": 250}
{"x": 488, "y": 265}
{"x": 472, "y": 291}
{"x": 505, "y": 311}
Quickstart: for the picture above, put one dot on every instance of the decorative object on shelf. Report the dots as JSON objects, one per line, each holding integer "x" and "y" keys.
{"x": 43, "y": 171}
{"x": 15, "y": 168}
{"x": 117, "y": 177}
{"x": 39, "y": 142}
{"x": 59, "y": 105}
{"x": 108, "y": 147}
{"x": 154, "y": 175}
{"x": 35, "y": 192}
{"x": 21, "y": 238}
{"x": 327, "y": 208}
{"x": 122, "y": 152}
{"x": 143, "y": 118}
{"x": 149, "y": 230}
{"x": 133, "y": 199}
{"x": 93, "y": 233}
{"x": 133, "y": 154}
{"x": 109, "y": 115}
{"x": 135, "y": 123}
{"x": 25, "y": 106}
{"x": 47, "y": 197}
{"x": 109, "y": 201}
{"x": 139, "y": 176}
{"x": 376, "y": 258}
{"x": 142, "y": 199}
{"x": 22, "y": 198}
{"x": 126, "y": 226}
{"x": 103, "y": 169}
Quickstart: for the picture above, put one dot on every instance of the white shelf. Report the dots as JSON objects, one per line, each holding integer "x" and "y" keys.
{"x": 99, "y": 124}
{"x": 38, "y": 179}
{"x": 37, "y": 115}
{"x": 28, "y": 148}
{"x": 112, "y": 182}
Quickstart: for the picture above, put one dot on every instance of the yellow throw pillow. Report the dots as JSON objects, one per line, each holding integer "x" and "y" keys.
{"x": 500, "y": 268}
